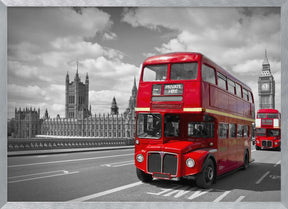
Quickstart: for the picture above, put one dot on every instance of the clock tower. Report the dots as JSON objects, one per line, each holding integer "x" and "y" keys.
{"x": 266, "y": 86}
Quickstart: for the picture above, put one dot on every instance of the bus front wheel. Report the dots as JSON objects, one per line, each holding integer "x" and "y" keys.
{"x": 207, "y": 175}
{"x": 142, "y": 176}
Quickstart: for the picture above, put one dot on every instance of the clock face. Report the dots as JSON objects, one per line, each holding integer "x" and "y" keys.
{"x": 265, "y": 86}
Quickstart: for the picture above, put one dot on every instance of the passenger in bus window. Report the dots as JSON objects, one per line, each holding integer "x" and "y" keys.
{"x": 201, "y": 131}
{"x": 169, "y": 129}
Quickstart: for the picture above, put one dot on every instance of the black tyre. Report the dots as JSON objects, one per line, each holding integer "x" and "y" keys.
{"x": 257, "y": 148}
{"x": 246, "y": 161}
{"x": 207, "y": 176}
{"x": 142, "y": 176}
{"x": 278, "y": 148}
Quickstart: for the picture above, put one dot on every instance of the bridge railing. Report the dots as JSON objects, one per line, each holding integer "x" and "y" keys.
{"x": 64, "y": 143}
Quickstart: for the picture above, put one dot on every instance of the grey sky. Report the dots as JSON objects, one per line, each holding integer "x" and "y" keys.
{"x": 110, "y": 44}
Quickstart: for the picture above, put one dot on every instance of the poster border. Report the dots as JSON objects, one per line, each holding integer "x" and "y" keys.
{"x": 5, "y": 4}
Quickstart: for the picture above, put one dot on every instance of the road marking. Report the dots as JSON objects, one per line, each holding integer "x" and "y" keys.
{"x": 278, "y": 163}
{"x": 110, "y": 191}
{"x": 221, "y": 197}
{"x": 274, "y": 177}
{"x": 65, "y": 161}
{"x": 35, "y": 174}
{"x": 42, "y": 177}
{"x": 178, "y": 192}
{"x": 115, "y": 166}
{"x": 118, "y": 164}
{"x": 240, "y": 199}
{"x": 198, "y": 194}
{"x": 259, "y": 181}
{"x": 164, "y": 191}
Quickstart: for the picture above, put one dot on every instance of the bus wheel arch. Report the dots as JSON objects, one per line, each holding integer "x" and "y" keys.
{"x": 208, "y": 173}
{"x": 142, "y": 176}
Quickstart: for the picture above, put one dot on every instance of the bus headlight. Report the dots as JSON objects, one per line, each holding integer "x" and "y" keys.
{"x": 190, "y": 163}
{"x": 140, "y": 158}
{"x": 257, "y": 141}
{"x": 137, "y": 141}
{"x": 276, "y": 143}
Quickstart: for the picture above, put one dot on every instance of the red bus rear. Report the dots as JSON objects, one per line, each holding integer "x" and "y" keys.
{"x": 268, "y": 129}
{"x": 193, "y": 120}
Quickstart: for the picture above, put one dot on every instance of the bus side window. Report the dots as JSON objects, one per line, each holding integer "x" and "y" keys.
{"x": 221, "y": 80}
{"x": 208, "y": 74}
{"x": 250, "y": 97}
{"x": 223, "y": 130}
{"x": 231, "y": 86}
{"x": 245, "y": 95}
{"x": 232, "y": 130}
{"x": 238, "y": 90}
{"x": 239, "y": 131}
{"x": 246, "y": 131}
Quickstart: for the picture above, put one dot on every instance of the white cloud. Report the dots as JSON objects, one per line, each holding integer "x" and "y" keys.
{"x": 109, "y": 36}
{"x": 101, "y": 100}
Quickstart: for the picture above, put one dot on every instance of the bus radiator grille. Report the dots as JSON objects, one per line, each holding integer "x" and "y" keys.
{"x": 154, "y": 162}
{"x": 170, "y": 164}
{"x": 266, "y": 143}
{"x": 165, "y": 164}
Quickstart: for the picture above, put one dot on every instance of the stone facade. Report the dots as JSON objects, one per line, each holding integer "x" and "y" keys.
{"x": 27, "y": 123}
{"x": 78, "y": 121}
{"x": 112, "y": 126}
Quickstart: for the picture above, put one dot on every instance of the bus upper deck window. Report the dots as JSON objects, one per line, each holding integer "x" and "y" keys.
{"x": 184, "y": 71}
{"x": 155, "y": 73}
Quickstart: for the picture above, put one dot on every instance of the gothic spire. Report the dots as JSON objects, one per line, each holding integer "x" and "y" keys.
{"x": 266, "y": 66}
{"x": 77, "y": 75}
{"x": 114, "y": 107}
{"x": 265, "y": 61}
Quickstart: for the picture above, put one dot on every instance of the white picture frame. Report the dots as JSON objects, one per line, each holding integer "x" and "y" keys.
{"x": 5, "y": 4}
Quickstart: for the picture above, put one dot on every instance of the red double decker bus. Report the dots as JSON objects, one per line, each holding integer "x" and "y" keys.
{"x": 268, "y": 129}
{"x": 193, "y": 120}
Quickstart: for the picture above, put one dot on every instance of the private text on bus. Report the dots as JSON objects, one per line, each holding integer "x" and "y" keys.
{"x": 268, "y": 129}
{"x": 193, "y": 120}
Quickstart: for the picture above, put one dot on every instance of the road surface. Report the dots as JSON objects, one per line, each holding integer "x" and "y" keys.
{"x": 110, "y": 175}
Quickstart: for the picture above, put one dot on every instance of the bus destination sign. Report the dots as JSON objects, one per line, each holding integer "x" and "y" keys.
{"x": 173, "y": 89}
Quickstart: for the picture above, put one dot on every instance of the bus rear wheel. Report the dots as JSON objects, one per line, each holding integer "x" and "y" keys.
{"x": 142, "y": 176}
{"x": 246, "y": 161}
{"x": 207, "y": 175}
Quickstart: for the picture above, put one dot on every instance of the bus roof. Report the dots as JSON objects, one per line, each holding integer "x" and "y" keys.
{"x": 268, "y": 111}
{"x": 176, "y": 57}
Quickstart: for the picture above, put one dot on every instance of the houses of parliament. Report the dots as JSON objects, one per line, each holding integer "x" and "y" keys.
{"x": 78, "y": 121}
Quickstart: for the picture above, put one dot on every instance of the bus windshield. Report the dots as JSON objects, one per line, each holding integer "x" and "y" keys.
{"x": 273, "y": 132}
{"x": 184, "y": 71}
{"x": 155, "y": 72}
{"x": 149, "y": 126}
{"x": 261, "y": 132}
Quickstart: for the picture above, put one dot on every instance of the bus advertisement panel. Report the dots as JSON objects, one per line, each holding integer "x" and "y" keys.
{"x": 268, "y": 129}
{"x": 193, "y": 120}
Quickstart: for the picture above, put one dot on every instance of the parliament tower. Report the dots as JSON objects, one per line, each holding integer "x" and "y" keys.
{"x": 77, "y": 97}
{"x": 266, "y": 86}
